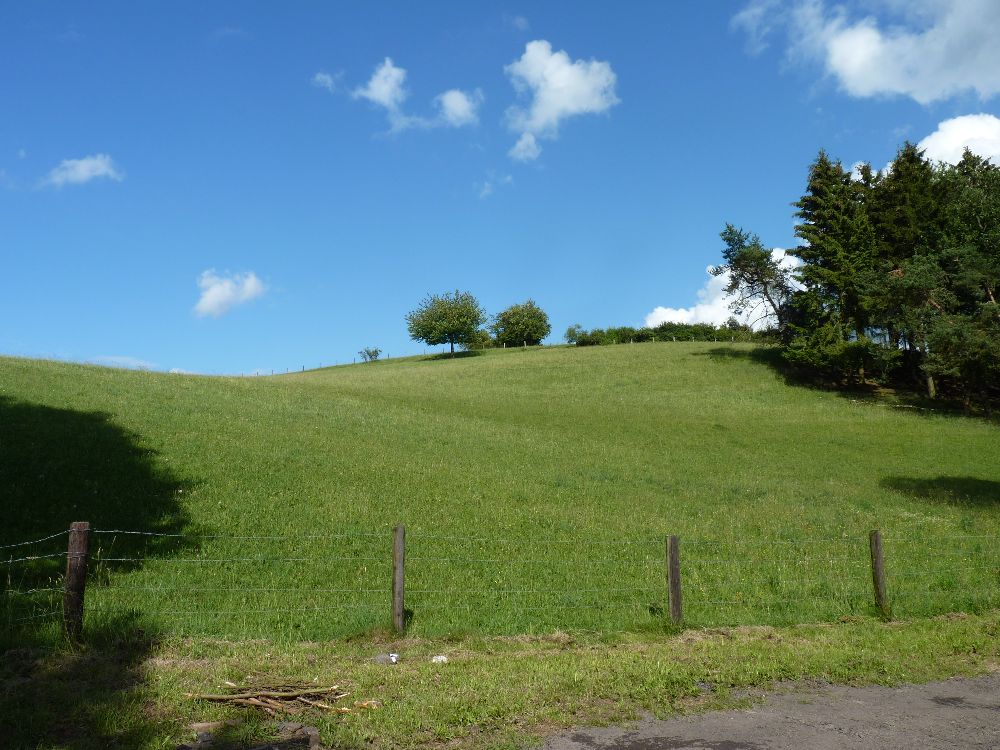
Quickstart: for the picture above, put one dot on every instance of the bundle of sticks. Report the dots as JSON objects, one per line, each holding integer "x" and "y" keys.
{"x": 286, "y": 699}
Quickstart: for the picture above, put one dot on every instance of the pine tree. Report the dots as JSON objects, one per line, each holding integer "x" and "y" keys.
{"x": 837, "y": 257}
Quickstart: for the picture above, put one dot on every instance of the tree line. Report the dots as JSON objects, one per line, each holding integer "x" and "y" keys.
{"x": 897, "y": 276}
{"x": 732, "y": 330}
{"x": 457, "y": 319}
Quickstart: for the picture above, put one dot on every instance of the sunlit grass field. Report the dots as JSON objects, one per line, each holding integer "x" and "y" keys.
{"x": 536, "y": 487}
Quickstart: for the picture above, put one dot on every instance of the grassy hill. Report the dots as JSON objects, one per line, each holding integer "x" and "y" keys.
{"x": 536, "y": 487}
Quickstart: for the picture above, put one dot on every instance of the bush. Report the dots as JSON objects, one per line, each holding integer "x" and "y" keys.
{"x": 521, "y": 324}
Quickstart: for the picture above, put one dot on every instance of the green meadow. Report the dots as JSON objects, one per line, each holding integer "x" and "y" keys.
{"x": 536, "y": 487}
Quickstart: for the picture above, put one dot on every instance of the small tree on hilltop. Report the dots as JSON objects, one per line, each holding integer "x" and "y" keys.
{"x": 370, "y": 353}
{"x": 521, "y": 324}
{"x": 446, "y": 319}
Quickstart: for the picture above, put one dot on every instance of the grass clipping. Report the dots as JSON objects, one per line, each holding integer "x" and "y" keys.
{"x": 286, "y": 699}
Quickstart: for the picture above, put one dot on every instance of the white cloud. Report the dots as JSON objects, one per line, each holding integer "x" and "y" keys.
{"x": 713, "y": 302}
{"x": 491, "y": 182}
{"x": 712, "y": 306}
{"x": 387, "y": 89}
{"x": 559, "y": 88}
{"x": 325, "y": 81}
{"x": 459, "y": 108}
{"x": 928, "y": 50}
{"x": 526, "y": 148}
{"x": 519, "y": 22}
{"x": 219, "y": 294}
{"x": 130, "y": 363}
{"x": 79, "y": 171}
{"x": 757, "y": 19}
{"x": 979, "y": 133}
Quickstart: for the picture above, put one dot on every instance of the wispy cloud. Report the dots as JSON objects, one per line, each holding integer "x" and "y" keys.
{"x": 387, "y": 89}
{"x": 221, "y": 293}
{"x": 80, "y": 171}
{"x": 518, "y": 23}
{"x": 526, "y": 148}
{"x": 492, "y": 181}
{"x": 559, "y": 88}
{"x": 326, "y": 81}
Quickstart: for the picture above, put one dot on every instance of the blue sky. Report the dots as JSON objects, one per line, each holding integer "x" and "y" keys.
{"x": 238, "y": 187}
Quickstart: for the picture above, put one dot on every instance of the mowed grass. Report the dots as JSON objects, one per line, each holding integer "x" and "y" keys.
{"x": 536, "y": 487}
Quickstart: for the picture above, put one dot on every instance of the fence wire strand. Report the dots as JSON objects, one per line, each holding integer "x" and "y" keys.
{"x": 782, "y": 579}
{"x": 36, "y": 541}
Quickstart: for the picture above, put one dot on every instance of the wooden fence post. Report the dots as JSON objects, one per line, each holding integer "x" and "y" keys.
{"x": 76, "y": 577}
{"x": 398, "y": 578}
{"x": 878, "y": 574}
{"x": 674, "y": 579}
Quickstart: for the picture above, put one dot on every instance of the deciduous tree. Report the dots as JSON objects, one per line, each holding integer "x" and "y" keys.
{"x": 520, "y": 324}
{"x": 446, "y": 319}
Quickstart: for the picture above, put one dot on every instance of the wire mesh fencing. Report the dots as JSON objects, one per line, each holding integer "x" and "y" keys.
{"x": 312, "y": 586}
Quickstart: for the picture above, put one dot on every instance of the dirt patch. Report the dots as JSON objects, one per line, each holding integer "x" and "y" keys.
{"x": 959, "y": 714}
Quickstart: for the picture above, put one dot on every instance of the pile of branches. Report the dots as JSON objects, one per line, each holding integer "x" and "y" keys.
{"x": 286, "y": 699}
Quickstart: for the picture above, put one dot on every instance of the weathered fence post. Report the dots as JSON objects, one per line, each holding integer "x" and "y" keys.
{"x": 674, "y": 579}
{"x": 878, "y": 573}
{"x": 77, "y": 551}
{"x": 398, "y": 578}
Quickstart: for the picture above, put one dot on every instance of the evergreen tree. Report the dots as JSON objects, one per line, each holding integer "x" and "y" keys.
{"x": 905, "y": 289}
{"x": 762, "y": 287}
{"x": 837, "y": 257}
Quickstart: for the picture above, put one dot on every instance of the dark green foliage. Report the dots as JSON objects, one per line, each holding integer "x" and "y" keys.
{"x": 899, "y": 275}
{"x": 481, "y": 339}
{"x": 446, "y": 319}
{"x": 370, "y": 353}
{"x": 966, "y": 349}
{"x": 524, "y": 324}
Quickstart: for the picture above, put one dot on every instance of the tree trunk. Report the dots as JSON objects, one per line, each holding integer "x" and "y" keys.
{"x": 452, "y": 348}
{"x": 931, "y": 388}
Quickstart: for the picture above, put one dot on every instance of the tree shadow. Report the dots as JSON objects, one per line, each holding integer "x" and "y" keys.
{"x": 91, "y": 696}
{"x": 456, "y": 355}
{"x": 58, "y": 466}
{"x": 950, "y": 490}
{"x": 901, "y": 397}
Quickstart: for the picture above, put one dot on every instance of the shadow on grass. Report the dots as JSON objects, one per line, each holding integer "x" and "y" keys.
{"x": 58, "y": 466}
{"x": 456, "y": 355}
{"x": 91, "y": 696}
{"x": 904, "y": 398}
{"x": 951, "y": 490}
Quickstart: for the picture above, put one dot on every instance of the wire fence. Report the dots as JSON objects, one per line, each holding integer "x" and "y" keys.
{"x": 325, "y": 585}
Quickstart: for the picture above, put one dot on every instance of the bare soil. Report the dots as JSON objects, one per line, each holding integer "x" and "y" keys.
{"x": 958, "y": 714}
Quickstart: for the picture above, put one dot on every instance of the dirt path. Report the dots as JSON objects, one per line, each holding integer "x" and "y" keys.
{"x": 957, "y": 714}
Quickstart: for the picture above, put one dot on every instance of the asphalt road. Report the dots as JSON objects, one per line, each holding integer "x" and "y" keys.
{"x": 957, "y": 714}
